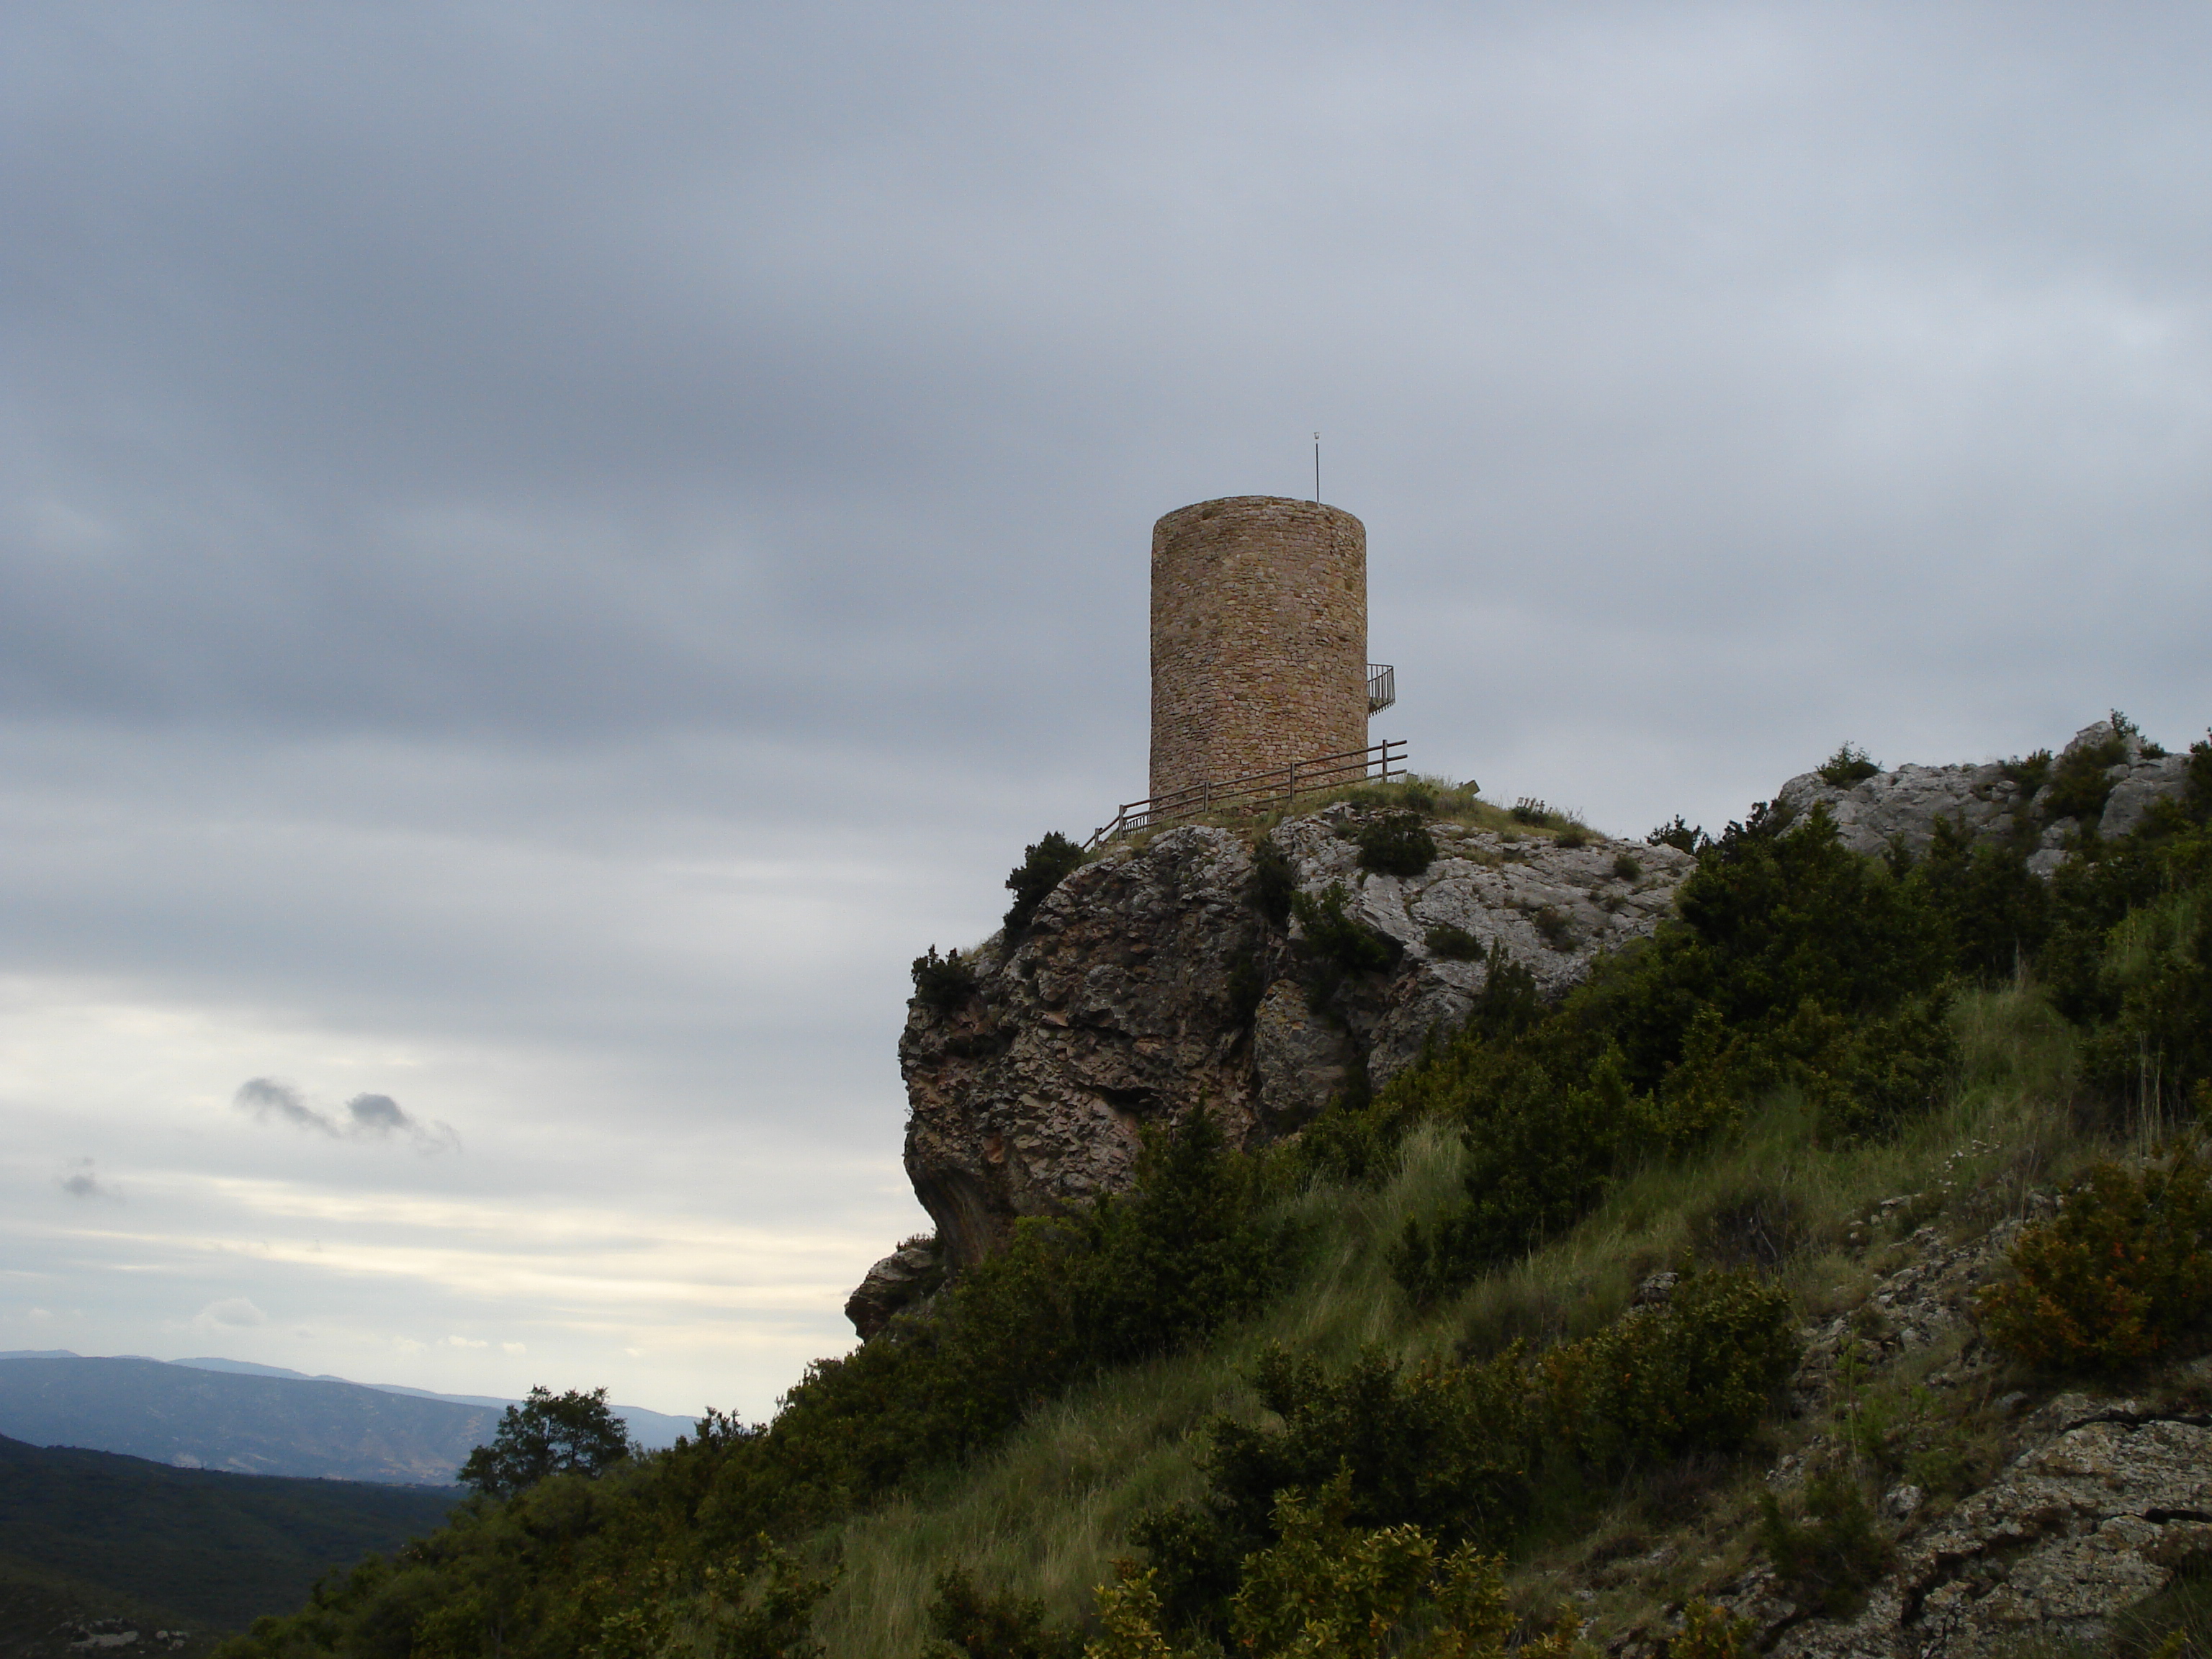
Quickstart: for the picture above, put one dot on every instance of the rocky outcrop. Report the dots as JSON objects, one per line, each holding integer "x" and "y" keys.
{"x": 906, "y": 1278}
{"x": 2101, "y": 1502}
{"x": 1991, "y": 801}
{"x": 1150, "y": 984}
{"x": 2108, "y": 1500}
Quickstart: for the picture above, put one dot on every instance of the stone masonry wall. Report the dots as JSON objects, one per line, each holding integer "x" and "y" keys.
{"x": 1259, "y": 638}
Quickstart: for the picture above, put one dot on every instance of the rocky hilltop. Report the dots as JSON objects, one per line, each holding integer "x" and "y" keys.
{"x": 1159, "y": 977}
{"x": 2102, "y": 782}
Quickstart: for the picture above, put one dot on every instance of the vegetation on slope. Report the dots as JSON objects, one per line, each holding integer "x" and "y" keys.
{"x": 1410, "y": 1339}
{"x": 212, "y": 1549}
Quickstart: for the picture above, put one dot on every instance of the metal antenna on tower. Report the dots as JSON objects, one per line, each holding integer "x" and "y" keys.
{"x": 1316, "y": 468}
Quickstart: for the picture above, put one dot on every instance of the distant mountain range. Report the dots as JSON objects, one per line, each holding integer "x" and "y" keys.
{"x": 233, "y": 1415}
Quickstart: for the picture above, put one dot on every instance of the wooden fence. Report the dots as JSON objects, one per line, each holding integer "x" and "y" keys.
{"x": 1257, "y": 792}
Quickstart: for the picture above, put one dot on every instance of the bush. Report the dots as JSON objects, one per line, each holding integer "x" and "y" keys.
{"x": 1891, "y": 1070}
{"x": 1529, "y": 809}
{"x": 1625, "y": 868}
{"x": 1395, "y": 844}
{"x": 1454, "y": 944}
{"x": 1995, "y": 910}
{"x": 547, "y": 1435}
{"x": 1541, "y": 1148}
{"x": 1711, "y": 1632}
{"x": 1555, "y": 927}
{"x": 1326, "y": 1590}
{"x": 1441, "y": 1447}
{"x": 1572, "y": 837}
{"x": 2079, "y": 788}
{"x": 1343, "y": 943}
{"x": 1825, "y": 1561}
{"x": 1678, "y": 833}
{"x": 1850, "y": 764}
{"x": 1274, "y": 882}
{"x": 2121, "y": 1274}
{"x": 2156, "y": 976}
{"x": 1694, "y": 1374}
{"x": 942, "y": 983}
{"x": 1044, "y": 865}
{"x": 966, "y": 1624}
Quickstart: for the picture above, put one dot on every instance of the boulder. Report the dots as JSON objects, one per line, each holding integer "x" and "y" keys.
{"x": 908, "y": 1275}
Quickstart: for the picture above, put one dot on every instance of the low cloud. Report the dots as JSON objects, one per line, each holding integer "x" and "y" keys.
{"x": 82, "y": 1182}
{"x": 365, "y": 1117}
{"x": 235, "y": 1313}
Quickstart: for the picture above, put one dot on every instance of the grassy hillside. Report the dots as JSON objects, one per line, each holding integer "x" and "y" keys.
{"x": 1318, "y": 1390}
{"x": 1045, "y": 1516}
{"x": 188, "y": 1546}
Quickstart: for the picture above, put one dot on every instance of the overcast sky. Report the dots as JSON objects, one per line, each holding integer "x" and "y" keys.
{"x": 547, "y": 549}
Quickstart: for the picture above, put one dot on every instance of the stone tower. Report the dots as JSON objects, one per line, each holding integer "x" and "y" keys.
{"x": 1259, "y": 638}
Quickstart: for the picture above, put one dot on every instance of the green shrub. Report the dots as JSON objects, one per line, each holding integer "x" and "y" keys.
{"x": 1044, "y": 865}
{"x": 1850, "y": 764}
{"x": 2121, "y": 1274}
{"x": 1711, "y": 1632}
{"x": 1529, "y": 809}
{"x": 1572, "y": 837}
{"x": 1625, "y": 868}
{"x": 1678, "y": 833}
{"x": 1454, "y": 944}
{"x": 2029, "y": 775}
{"x": 2079, "y": 788}
{"x": 2157, "y": 977}
{"x": 1697, "y": 1374}
{"x": 964, "y": 1623}
{"x": 1339, "y": 942}
{"x": 1890, "y": 1071}
{"x": 1995, "y": 910}
{"x": 1443, "y": 1448}
{"x": 942, "y": 983}
{"x": 1326, "y": 1590}
{"x": 1541, "y": 1148}
{"x": 1826, "y": 1560}
{"x": 1274, "y": 882}
{"x": 1395, "y": 844}
{"x": 1555, "y": 927}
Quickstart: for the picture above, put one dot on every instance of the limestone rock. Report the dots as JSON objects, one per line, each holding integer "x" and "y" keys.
{"x": 1902, "y": 806}
{"x": 1301, "y": 1059}
{"x": 1149, "y": 984}
{"x": 2093, "y": 1517}
{"x": 905, "y": 1277}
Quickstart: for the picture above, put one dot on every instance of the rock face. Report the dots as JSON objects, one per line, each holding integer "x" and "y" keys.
{"x": 1904, "y": 805}
{"x": 2101, "y": 1502}
{"x": 908, "y": 1275}
{"x": 1150, "y": 983}
{"x": 2098, "y": 1511}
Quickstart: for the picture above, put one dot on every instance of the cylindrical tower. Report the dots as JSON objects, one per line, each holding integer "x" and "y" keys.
{"x": 1259, "y": 638}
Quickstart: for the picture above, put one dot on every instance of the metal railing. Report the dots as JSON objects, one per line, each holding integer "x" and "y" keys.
{"x": 1382, "y": 687}
{"x": 1257, "y": 791}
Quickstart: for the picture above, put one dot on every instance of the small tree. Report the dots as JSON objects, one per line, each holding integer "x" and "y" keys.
{"x": 547, "y": 1435}
{"x": 1043, "y": 866}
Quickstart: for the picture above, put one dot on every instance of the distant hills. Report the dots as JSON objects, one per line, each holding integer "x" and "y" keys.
{"x": 88, "y": 1535}
{"x": 235, "y": 1416}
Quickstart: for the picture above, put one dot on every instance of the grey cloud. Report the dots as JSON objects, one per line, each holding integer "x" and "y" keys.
{"x": 81, "y": 1182}
{"x": 265, "y": 1098}
{"x": 366, "y": 1116}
